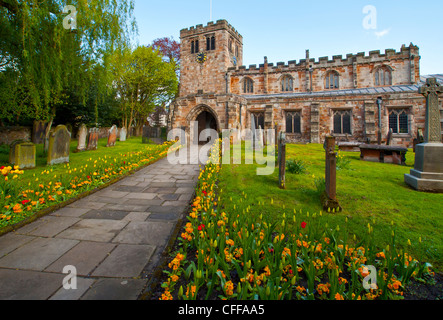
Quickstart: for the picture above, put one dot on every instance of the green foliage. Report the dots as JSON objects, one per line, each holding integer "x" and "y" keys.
{"x": 342, "y": 162}
{"x": 42, "y": 64}
{"x": 296, "y": 166}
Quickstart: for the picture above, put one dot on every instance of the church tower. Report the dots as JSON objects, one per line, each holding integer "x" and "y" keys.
{"x": 206, "y": 54}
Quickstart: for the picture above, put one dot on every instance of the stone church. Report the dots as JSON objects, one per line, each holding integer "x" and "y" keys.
{"x": 357, "y": 98}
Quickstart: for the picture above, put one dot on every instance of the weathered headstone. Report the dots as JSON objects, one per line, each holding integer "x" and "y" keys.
{"x": 427, "y": 174}
{"x": 329, "y": 198}
{"x": 123, "y": 134}
{"x": 59, "y": 145}
{"x": 39, "y": 131}
{"x": 12, "y": 148}
{"x": 389, "y": 139}
{"x": 282, "y": 160}
{"x": 24, "y": 155}
{"x": 93, "y": 139}
{"x": 145, "y": 135}
{"x": 253, "y": 132}
{"x": 260, "y": 138}
{"x": 112, "y": 136}
{"x": 82, "y": 135}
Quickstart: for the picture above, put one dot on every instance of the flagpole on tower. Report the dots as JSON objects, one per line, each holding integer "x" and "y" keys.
{"x": 210, "y": 10}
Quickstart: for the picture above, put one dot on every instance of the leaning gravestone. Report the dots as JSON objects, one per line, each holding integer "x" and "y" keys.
{"x": 59, "y": 144}
{"x": 82, "y": 135}
{"x": 92, "y": 139}
{"x": 112, "y": 136}
{"x": 39, "y": 131}
{"x": 282, "y": 161}
{"x": 329, "y": 198}
{"x": 427, "y": 174}
{"x": 123, "y": 134}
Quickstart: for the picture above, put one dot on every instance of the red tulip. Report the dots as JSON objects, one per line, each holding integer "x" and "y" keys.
{"x": 303, "y": 224}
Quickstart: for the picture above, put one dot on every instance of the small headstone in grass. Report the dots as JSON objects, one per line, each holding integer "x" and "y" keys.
{"x": 427, "y": 174}
{"x": 59, "y": 144}
{"x": 329, "y": 197}
{"x": 112, "y": 136}
{"x": 93, "y": 139}
{"x": 123, "y": 134}
{"x": 22, "y": 154}
{"x": 82, "y": 135}
{"x": 282, "y": 160}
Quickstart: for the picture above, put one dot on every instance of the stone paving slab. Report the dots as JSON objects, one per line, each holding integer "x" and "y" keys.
{"x": 37, "y": 254}
{"x": 114, "y": 238}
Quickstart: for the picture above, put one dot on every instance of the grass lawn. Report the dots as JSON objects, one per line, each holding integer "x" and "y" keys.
{"x": 24, "y": 194}
{"x": 373, "y": 193}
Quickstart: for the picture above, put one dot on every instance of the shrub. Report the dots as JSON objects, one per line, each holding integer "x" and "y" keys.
{"x": 296, "y": 166}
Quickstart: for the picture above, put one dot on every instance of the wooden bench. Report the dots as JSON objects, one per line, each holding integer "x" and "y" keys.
{"x": 383, "y": 153}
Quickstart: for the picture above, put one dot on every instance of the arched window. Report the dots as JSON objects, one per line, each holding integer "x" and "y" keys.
{"x": 194, "y": 46}
{"x": 383, "y": 76}
{"x": 293, "y": 122}
{"x": 287, "y": 83}
{"x": 399, "y": 121}
{"x": 342, "y": 122}
{"x": 332, "y": 80}
{"x": 210, "y": 43}
{"x": 248, "y": 85}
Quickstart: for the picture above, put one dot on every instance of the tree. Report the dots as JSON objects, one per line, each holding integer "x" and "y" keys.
{"x": 143, "y": 80}
{"x": 44, "y": 59}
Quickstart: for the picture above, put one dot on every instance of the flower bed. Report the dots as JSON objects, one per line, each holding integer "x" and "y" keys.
{"x": 224, "y": 252}
{"x": 24, "y": 198}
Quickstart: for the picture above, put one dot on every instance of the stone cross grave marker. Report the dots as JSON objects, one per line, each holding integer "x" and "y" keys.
{"x": 329, "y": 199}
{"x": 112, "y": 136}
{"x": 92, "y": 139}
{"x": 427, "y": 174}
{"x": 282, "y": 160}
{"x": 82, "y": 135}
{"x": 123, "y": 134}
{"x": 433, "y": 122}
{"x": 59, "y": 144}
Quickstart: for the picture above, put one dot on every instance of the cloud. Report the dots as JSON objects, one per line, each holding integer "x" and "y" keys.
{"x": 382, "y": 33}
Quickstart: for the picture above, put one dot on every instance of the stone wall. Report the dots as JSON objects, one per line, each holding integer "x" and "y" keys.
{"x": 9, "y": 134}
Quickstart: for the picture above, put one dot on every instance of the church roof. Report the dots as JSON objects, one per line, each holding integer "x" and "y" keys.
{"x": 359, "y": 91}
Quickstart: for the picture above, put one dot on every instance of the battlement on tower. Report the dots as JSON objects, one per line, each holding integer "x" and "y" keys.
{"x": 210, "y": 27}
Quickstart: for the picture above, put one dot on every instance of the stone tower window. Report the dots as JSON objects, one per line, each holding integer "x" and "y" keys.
{"x": 248, "y": 85}
{"x": 293, "y": 122}
{"x": 342, "y": 122}
{"x": 194, "y": 46}
{"x": 230, "y": 44}
{"x": 287, "y": 83}
{"x": 210, "y": 43}
{"x": 399, "y": 121}
{"x": 383, "y": 77}
{"x": 332, "y": 80}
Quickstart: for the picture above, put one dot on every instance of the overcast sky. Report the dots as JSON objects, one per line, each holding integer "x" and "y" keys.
{"x": 283, "y": 30}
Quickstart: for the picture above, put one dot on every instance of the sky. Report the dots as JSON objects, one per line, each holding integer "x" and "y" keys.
{"x": 283, "y": 30}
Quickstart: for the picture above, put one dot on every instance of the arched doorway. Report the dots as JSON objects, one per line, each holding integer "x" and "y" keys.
{"x": 200, "y": 118}
{"x": 205, "y": 120}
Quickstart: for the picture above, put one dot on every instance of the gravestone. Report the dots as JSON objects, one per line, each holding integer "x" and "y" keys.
{"x": 123, "y": 134}
{"x": 39, "y": 131}
{"x": 389, "y": 139}
{"x": 260, "y": 138}
{"x": 427, "y": 174}
{"x": 145, "y": 135}
{"x": 329, "y": 198}
{"x": 82, "y": 135}
{"x": 12, "y": 148}
{"x": 112, "y": 136}
{"x": 282, "y": 160}
{"x": 253, "y": 132}
{"x": 59, "y": 144}
{"x": 92, "y": 139}
{"x": 24, "y": 155}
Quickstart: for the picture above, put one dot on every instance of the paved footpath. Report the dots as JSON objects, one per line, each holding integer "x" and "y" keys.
{"x": 114, "y": 238}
